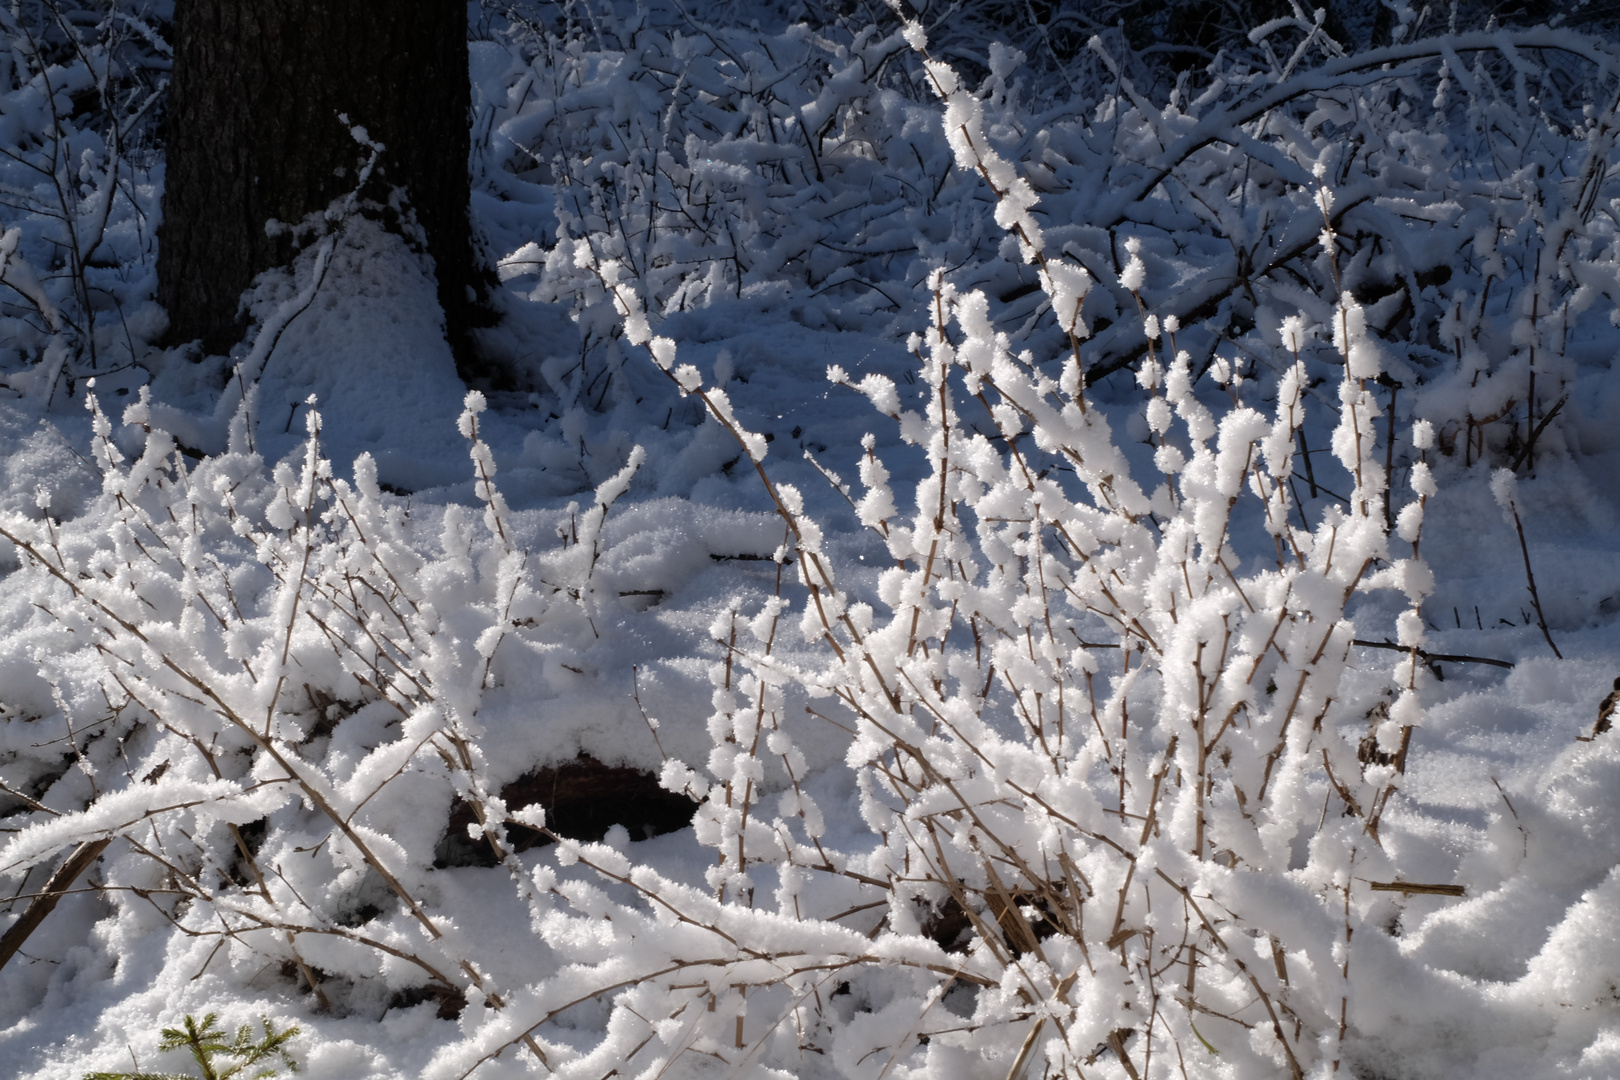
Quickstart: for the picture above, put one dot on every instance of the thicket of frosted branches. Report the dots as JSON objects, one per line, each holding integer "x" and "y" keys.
{"x": 1092, "y": 732}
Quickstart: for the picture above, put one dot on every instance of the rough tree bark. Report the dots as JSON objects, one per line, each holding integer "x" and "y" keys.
{"x": 253, "y": 134}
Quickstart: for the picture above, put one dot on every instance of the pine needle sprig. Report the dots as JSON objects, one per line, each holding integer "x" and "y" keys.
{"x": 208, "y": 1043}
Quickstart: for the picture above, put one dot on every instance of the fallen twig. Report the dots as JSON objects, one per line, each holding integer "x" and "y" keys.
{"x": 1429, "y": 657}
{"x": 1416, "y": 887}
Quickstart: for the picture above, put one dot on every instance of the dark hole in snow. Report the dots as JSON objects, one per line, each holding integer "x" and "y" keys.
{"x": 1020, "y": 292}
{"x": 359, "y": 916}
{"x": 329, "y": 711}
{"x": 1370, "y": 292}
{"x": 335, "y": 987}
{"x": 289, "y": 970}
{"x": 450, "y": 999}
{"x": 252, "y": 835}
{"x": 1436, "y": 276}
{"x": 949, "y": 927}
{"x": 366, "y": 902}
{"x": 952, "y": 931}
{"x": 583, "y": 798}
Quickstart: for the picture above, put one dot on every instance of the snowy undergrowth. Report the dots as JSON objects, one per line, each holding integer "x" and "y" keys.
{"x": 80, "y": 181}
{"x": 1120, "y": 794}
{"x": 809, "y": 171}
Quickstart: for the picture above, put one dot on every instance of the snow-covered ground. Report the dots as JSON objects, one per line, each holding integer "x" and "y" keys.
{"x": 1076, "y": 670}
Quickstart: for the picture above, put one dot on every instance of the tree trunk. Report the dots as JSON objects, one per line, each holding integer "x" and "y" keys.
{"x": 254, "y": 135}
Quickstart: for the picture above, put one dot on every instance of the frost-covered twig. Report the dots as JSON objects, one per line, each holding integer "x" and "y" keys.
{"x": 1505, "y": 487}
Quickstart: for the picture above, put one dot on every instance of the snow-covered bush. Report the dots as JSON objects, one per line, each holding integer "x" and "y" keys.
{"x": 81, "y": 86}
{"x": 717, "y": 162}
{"x": 239, "y": 617}
{"x": 1470, "y": 177}
{"x": 1087, "y": 737}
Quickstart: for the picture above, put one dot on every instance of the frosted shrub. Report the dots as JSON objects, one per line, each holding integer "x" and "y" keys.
{"x": 1089, "y": 743}
{"x": 803, "y": 169}
{"x": 809, "y": 169}
{"x": 1475, "y": 276}
{"x": 79, "y": 86}
{"x": 1092, "y": 742}
{"x": 275, "y": 652}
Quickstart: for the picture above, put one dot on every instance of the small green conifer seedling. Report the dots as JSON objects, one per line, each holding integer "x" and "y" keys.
{"x": 216, "y": 1058}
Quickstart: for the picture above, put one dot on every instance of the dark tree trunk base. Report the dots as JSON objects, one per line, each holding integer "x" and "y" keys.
{"x": 254, "y": 135}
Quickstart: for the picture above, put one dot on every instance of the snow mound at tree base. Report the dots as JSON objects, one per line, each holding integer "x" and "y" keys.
{"x": 371, "y": 348}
